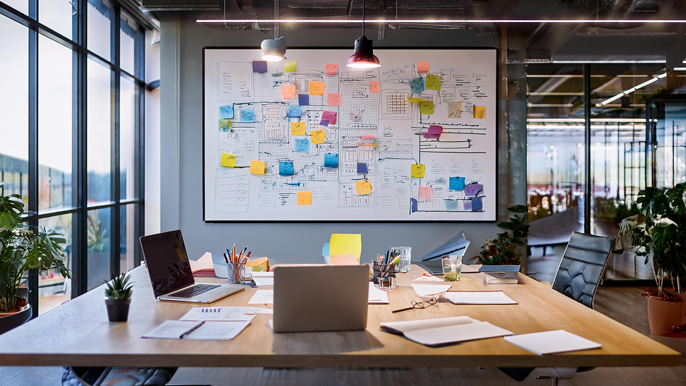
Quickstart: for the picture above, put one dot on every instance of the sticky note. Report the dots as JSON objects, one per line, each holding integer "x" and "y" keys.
{"x": 330, "y": 160}
{"x": 417, "y": 170}
{"x": 423, "y": 67}
{"x": 325, "y": 250}
{"x": 451, "y": 205}
{"x": 434, "y": 132}
{"x": 415, "y": 100}
{"x": 259, "y": 66}
{"x": 298, "y": 128}
{"x": 226, "y": 112}
{"x": 426, "y": 107}
{"x": 363, "y": 187}
{"x": 302, "y": 145}
{"x": 316, "y": 88}
{"x": 333, "y": 99}
{"x": 289, "y": 66}
{"x": 324, "y": 123}
{"x": 303, "y": 99}
{"x": 329, "y": 116}
{"x": 477, "y": 204}
{"x": 417, "y": 85}
{"x": 224, "y": 124}
{"x": 304, "y": 198}
{"x": 455, "y": 110}
{"x": 480, "y": 112}
{"x": 456, "y": 183}
{"x": 433, "y": 82}
{"x": 413, "y": 203}
{"x": 286, "y": 168}
{"x": 374, "y": 87}
{"x": 247, "y": 115}
{"x": 318, "y": 136}
{"x": 228, "y": 160}
{"x": 362, "y": 168}
{"x": 426, "y": 192}
{"x": 294, "y": 111}
{"x": 345, "y": 247}
{"x": 331, "y": 69}
{"x": 258, "y": 167}
{"x": 287, "y": 91}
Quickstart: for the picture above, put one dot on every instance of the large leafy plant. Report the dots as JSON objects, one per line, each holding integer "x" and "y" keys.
{"x": 659, "y": 232}
{"x": 24, "y": 247}
{"x": 508, "y": 246}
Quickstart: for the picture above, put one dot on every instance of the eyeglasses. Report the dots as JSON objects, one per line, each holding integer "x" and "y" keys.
{"x": 420, "y": 305}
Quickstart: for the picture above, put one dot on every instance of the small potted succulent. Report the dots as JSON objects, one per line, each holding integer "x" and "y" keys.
{"x": 118, "y": 297}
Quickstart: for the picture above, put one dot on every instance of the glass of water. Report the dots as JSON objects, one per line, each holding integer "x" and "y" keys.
{"x": 405, "y": 254}
{"x": 452, "y": 267}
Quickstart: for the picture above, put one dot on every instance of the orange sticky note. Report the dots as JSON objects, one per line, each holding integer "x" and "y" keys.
{"x": 363, "y": 187}
{"x": 316, "y": 88}
{"x": 298, "y": 128}
{"x": 480, "y": 112}
{"x": 228, "y": 160}
{"x": 333, "y": 99}
{"x": 304, "y": 198}
{"x": 331, "y": 69}
{"x": 289, "y": 67}
{"x": 287, "y": 91}
{"x": 258, "y": 167}
{"x": 426, "y": 107}
{"x": 417, "y": 170}
{"x": 317, "y": 136}
{"x": 374, "y": 87}
{"x": 423, "y": 67}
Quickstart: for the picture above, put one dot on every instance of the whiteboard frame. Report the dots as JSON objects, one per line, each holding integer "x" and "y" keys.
{"x": 409, "y": 220}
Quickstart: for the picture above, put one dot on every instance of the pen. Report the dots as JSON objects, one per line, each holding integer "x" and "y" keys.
{"x": 191, "y": 330}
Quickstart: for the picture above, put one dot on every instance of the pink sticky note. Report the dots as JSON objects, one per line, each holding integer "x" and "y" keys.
{"x": 288, "y": 91}
{"x": 374, "y": 87}
{"x": 329, "y": 116}
{"x": 423, "y": 67}
{"x": 333, "y": 99}
{"x": 331, "y": 69}
{"x": 426, "y": 192}
{"x": 434, "y": 132}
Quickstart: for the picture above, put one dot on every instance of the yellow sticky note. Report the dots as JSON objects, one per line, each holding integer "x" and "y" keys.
{"x": 423, "y": 67}
{"x": 417, "y": 170}
{"x": 363, "y": 187}
{"x": 426, "y": 107}
{"x": 433, "y": 82}
{"x": 342, "y": 244}
{"x": 287, "y": 91}
{"x": 258, "y": 167}
{"x": 304, "y": 198}
{"x": 318, "y": 136}
{"x": 224, "y": 124}
{"x": 374, "y": 87}
{"x": 228, "y": 160}
{"x": 480, "y": 112}
{"x": 415, "y": 100}
{"x": 316, "y": 88}
{"x": 298, "y": 128}
{"x": 289, "y": 66}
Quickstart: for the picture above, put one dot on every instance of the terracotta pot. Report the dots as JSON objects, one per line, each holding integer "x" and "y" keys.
{"x": 662, "y": 315}
{"x": 11, "y": 320}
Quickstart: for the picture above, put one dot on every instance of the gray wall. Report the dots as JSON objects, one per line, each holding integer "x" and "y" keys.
{"x": 181, "y": 149}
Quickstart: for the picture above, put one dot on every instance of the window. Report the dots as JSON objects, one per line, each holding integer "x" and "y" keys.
{"x": 127, "y": 139}
{"x": 99, "y": 132}
{"x": 100, "y": 28}
{"x": 58, "y": 15}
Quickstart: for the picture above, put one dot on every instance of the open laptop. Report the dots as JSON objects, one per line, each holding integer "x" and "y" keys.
{"x": 170, "y": 271}
{"x": 320, "y": 298}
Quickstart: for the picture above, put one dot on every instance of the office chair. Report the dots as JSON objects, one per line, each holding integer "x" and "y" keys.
{"x": 118, "y": 376}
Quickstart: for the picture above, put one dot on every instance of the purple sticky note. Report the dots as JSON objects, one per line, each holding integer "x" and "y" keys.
{"x": 259, "y": 66}
{"x": 434, "y": 132}
{"x": 324, "y": 123}
{"x": 303, "y": 99}
{"x": 329, "y": 116}
{"x": 413, "y": 201}
{"x": 362, "y": 168}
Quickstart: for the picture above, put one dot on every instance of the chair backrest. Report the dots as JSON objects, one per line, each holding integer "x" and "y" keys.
{"x": 582, "y": 266}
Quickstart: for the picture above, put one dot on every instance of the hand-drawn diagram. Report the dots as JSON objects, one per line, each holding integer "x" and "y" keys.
{"x": 350, "y": 137}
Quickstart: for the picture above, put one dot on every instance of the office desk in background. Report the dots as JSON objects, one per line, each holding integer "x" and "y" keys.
{"x": 78, "y": 333}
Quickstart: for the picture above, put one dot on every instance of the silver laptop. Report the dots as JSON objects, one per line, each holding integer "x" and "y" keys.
{"x": 320, "y": 298}
{"x": 171, "y": 275}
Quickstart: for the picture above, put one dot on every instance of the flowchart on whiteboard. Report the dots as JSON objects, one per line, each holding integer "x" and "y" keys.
{"x": 307, "y": 139}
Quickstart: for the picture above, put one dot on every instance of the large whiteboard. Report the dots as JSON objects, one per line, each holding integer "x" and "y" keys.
{"x": 382, "y": 130}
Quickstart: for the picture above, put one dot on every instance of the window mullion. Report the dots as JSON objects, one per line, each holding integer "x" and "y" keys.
{"x": 115, "y": 264}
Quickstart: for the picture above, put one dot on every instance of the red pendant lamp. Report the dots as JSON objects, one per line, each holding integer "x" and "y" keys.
{"x": 363, "y": 57}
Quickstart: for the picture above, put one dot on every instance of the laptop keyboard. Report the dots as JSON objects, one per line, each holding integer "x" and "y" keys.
{"x": 194, "y": 291}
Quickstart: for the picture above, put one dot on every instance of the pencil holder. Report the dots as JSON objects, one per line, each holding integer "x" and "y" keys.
{"x": 236, "y": 273}
{"x": 386, "y": 283}
{"x": 384, "y": 276}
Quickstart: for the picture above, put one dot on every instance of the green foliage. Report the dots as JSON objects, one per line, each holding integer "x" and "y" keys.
{"x": 119, "y": 287}
{"x": 97, "y": 236}
{"x": 507, "y": 247}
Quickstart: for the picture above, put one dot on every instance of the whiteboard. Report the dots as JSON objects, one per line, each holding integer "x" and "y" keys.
{"x": 377, "y": 135}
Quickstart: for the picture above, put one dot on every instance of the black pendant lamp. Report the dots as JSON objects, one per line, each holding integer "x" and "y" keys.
{"x": 363, "y": 57}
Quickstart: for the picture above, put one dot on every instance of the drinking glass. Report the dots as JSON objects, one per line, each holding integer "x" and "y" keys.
{"x": 405, "y": 254}
{"x": 452, "y": 267}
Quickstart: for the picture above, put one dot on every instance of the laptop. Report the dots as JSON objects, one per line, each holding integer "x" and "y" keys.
{"x": 310, "y": 298}
{"x": 170, "y": 271}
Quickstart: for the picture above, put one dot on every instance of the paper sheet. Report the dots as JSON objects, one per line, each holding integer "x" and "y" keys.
{"x": 260, "y": 281}
{"x": 262, "y": 297}
{"x": 204, "y": 262}
{"x": 377, "y": 296}
{"x": 430, "y": 289}
{"x": 199, "y": 314}
{"x": 478, "y": 297}
{"x": 174, "y": 329}
{"x": 551, "y": 342}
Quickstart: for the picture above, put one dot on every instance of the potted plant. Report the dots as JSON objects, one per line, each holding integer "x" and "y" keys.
{"x": 508, "y": 247}
{"x": 658, "y": 232}
{"x": 23, "y": 247}
{"x": 118, "y": 297}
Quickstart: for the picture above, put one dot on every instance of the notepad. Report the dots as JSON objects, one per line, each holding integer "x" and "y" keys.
{"x": 182, "y": 329}
{"x": 377, "y": 296}
{"x": 262, "y": 297}
{"x": 478, "y": 297}
{"x": 261, "y": 280}
{"x": 444, "y": 331}
{"x": 552, "y": 342}
{"x": 430, "y": 289}
{"x": 219, "y": 314}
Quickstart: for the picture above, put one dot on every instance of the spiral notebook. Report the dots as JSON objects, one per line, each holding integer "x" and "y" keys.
{"x": 182, "y": 329}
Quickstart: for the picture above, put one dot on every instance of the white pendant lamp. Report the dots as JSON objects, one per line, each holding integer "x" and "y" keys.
{"x": 274, "y": 50}
{"x": 363, "y": 57}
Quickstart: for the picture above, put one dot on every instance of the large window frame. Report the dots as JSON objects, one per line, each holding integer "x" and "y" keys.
{"x": 80, "y": 205}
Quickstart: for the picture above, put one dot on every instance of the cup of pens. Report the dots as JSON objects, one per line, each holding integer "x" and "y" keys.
{"x": 235, "y": 265}
{"x": 384, "y": 271}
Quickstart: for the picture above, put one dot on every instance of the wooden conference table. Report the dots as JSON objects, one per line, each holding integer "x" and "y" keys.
{"x": 78, "y": 333}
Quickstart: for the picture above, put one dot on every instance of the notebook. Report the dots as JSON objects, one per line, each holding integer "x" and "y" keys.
{"x": 478, "y": 297}
{"x": 444, "y": 331}
{"x": 183, "y": 329}
{"x": 377, "y": 296}
{"x": 551, "y": 342}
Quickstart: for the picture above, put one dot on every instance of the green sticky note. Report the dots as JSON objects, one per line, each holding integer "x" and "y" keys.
{"x": 433, "y": 82}
{"x": 289, "y": 67}
{"x": 426, "y": 107}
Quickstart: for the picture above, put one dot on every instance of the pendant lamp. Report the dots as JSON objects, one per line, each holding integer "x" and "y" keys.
{"x": 274, "y": 50}
{"x": 363, "y": 57}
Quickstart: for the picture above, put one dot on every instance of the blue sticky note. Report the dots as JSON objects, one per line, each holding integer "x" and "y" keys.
{"x": 477, "y": 205}
{"x": 226, "y": 112}
{"x": 325, "y": 249}
{"x": 303, "y": 99}
{"x": 286, "y": 168}
{"x": 259, "y": 66}
{"x": 247, "y": 115}
{"x": 456, "y": 183}
{"x": 413, "y": 202}
{"x": 302, "y": 145}
{"x": 330, "y": 160}
{"x": 417, "y": 85}
{"x": 294, "y": 111}
{"x": 450, "y": 204}
{"x": 362, "y": 168}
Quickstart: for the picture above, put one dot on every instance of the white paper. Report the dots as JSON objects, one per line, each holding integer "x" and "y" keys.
{"x": 262, "y": 280}
{"x": 458, "y": 333}
{"x": 217, "y": 331}
{"x": 423, "y": 324}
{"x": 428, "y": 278}
{"x": 262, "y": 274}
{"x": 377, "y": 296}
{"x": 430, "y": 289}
{"x": 474, "y": 268}
{"x": 551, "y": 342}
{"x": 204, "y": 262}
{"x": 171, "y": 329}
{"x": 245, "y": 314}
{"x": 262, "y": 297}
{"x": 479, "y": 297}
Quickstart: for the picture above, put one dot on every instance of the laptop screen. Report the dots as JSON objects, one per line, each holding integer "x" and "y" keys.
{"x": 167, "y": 261}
